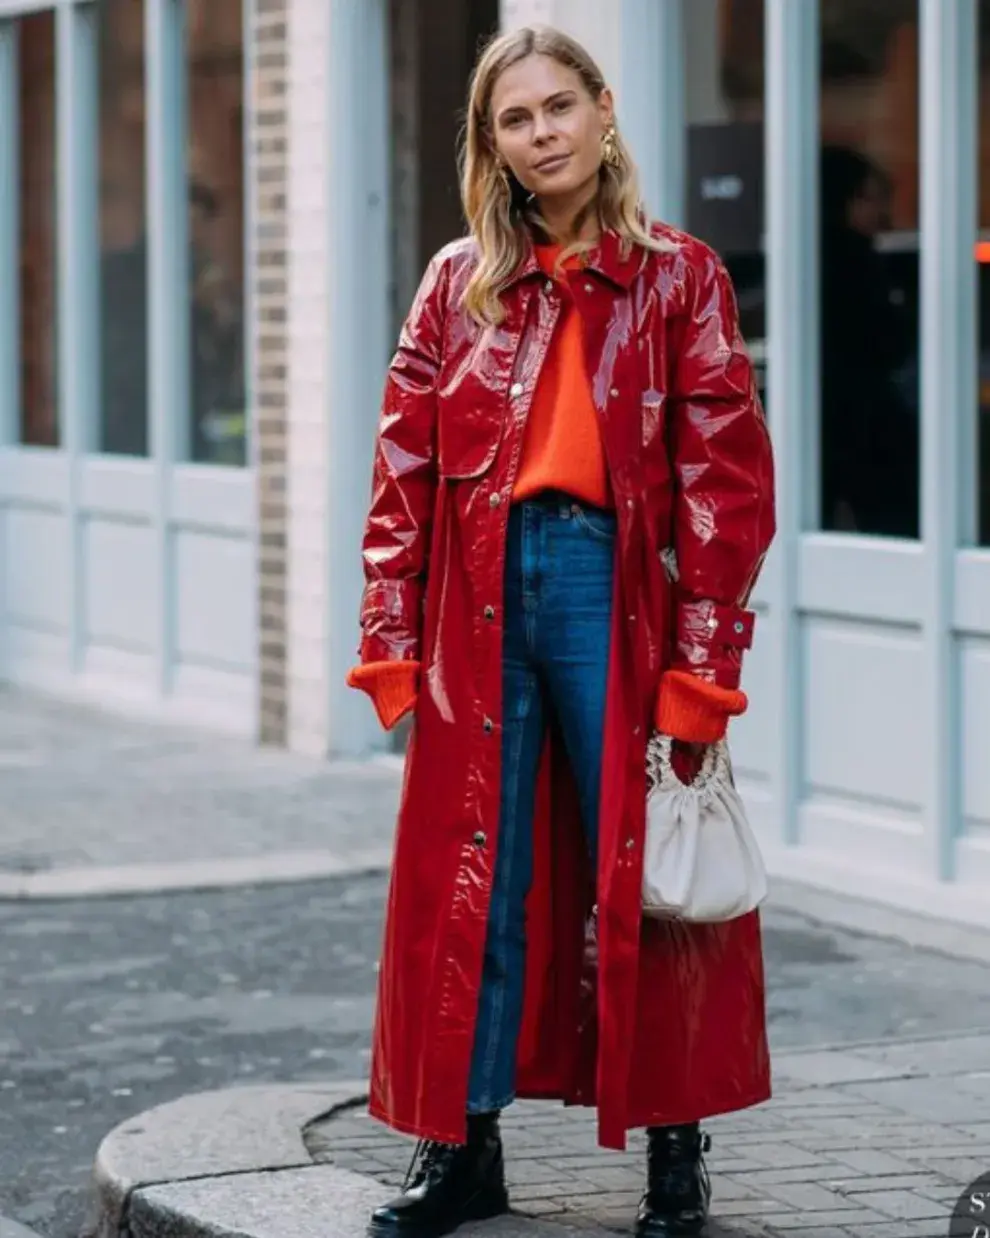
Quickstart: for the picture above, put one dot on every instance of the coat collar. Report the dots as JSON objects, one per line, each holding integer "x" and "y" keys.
{"x": 606, "y": 259}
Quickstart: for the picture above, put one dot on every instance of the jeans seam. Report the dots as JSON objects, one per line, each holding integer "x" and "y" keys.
{"x": 502, "y": 912}
{"x": 581, "y": 518}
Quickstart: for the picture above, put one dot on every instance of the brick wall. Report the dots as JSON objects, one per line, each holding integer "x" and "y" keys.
{"x": 269, "y": 136}
{"x": 308, "y": 474}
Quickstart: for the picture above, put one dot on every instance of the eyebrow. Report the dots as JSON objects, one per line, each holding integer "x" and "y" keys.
{"x": 520, "y": 107}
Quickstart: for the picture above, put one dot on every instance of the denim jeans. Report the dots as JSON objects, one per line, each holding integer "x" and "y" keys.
{"x": 557, "y": 622}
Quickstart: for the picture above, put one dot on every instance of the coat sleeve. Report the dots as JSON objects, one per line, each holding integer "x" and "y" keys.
{"x": 396, "y": 542}
{"x": 724, "y": 519}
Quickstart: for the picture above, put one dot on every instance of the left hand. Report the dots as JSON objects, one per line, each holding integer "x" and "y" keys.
{"x": 686, "y": 759}
{"x": 691, "y": 751}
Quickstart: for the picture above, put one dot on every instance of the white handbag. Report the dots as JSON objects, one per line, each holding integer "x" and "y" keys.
{"x": 701, "y": 861}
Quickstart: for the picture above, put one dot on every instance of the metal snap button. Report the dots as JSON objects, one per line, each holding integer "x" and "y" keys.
{"x": 494, "y": 499}
{"x": 489, "y": 613}
{"x": 480, "y": 838}
{"x": 488, "y": 726}
{"x": 548, "y": 286}
{"x": 588, "y": 288}
{"x": 739, "y": 627}
{"x": 614, "y": 393}
{"x": 516, "y": 390}
{"x": 630, "y": 843}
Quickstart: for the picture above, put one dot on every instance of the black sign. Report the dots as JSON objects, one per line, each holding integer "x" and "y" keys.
{"x": 971, "y": 1218}
{"x": 725, "y": 186}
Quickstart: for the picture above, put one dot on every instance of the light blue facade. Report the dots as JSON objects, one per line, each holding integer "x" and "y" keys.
{"x": 125, "y": 579}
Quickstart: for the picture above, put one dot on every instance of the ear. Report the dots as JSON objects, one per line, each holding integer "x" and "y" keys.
{"x": 606, "y": 108}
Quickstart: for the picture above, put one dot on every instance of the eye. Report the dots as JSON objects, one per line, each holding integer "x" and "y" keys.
{"x": 562, "y": 105}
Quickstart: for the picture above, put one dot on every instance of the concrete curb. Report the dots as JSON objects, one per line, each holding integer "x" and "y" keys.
{"x": 206, "y": 1135}
{"x": 234, "y": 1164}
{"x": 13, "y": 1229}
{"x": 278, "y": 868}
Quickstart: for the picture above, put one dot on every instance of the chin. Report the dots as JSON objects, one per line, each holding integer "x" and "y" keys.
{"x": 559, "y": 186}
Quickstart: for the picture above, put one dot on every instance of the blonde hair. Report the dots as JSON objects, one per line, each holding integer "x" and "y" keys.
{"x": 497, "y": 221}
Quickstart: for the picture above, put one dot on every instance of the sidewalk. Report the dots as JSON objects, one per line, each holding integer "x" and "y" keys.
{"x": 871, "y": 1141}
{"x": 95, "y": 804}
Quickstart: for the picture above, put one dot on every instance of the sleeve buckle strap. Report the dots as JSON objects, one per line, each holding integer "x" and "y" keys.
{"x": 732, "y": 626}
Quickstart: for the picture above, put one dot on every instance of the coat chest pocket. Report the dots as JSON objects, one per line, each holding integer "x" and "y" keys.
{"x": 469, "y": 436}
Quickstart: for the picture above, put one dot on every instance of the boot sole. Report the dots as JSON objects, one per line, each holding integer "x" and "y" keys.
{"x": 482, "y": 1208}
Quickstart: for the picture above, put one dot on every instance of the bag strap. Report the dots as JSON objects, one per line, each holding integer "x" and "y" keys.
{"x": 715, "y": 765}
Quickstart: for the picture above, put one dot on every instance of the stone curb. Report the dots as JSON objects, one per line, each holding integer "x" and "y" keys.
{"x": 206, "y": 1135}
{"x": 12, "y": 1229}
{"x": 278, "y": 868}
{"x": 234, "y": 1164}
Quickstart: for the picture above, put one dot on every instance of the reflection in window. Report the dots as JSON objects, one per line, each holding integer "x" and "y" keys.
{"x": 123, "y": 240}
{"x": 36, "y": 208}
{"x": 724, "y": 80}
{"x": 215, "y": 169}
{"x": 983, "y": 256}
{"x": 869, "y": 267}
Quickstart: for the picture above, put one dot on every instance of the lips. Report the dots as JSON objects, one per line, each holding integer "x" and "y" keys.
{"x": 551, "y": 164}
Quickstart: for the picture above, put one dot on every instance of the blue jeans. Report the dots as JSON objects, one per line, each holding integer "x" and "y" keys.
{"x": 557, "y": 623}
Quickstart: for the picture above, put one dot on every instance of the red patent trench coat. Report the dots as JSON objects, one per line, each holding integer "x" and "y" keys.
{"x": 655, "y": 1023}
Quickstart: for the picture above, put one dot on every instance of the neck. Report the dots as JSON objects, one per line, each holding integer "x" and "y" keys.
{"x": 572, "y": 218}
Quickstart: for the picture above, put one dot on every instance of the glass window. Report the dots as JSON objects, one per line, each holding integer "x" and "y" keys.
{"x": 123, "y": 238}
{"x": 983, "y": 259}
{"x": 38, "y": 231}
{"x": 216, "y": 231}
{"x": 725, "y": 199}
{"x": 869, "y": 267}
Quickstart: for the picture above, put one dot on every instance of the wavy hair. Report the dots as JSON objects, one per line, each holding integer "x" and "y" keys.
{"x": 498, "y": 209}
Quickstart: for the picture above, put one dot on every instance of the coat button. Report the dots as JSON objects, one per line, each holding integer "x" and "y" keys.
{"x": 516, "y": 390}
{"x": 614, "y": 393}
{"x": 480, "y": 838}
{"x": 494, "y": 499}
{"x": 739, "y": 627}
{"x": 488, "y": 726}
{"x": 630, "y": 843}
{"x": 588, "y": 288}
{"x": 489, "y": 613}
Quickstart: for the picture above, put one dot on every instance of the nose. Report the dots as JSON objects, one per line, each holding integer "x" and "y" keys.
{"x": 541, "y": 128}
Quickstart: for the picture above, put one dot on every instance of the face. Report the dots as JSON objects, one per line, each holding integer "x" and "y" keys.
{"x": 547, "y": 128}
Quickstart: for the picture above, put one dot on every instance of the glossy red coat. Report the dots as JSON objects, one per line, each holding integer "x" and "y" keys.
{"x": 654, "y": 1023}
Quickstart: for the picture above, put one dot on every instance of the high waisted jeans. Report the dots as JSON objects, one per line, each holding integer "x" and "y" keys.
{"x": 558, "y": 603}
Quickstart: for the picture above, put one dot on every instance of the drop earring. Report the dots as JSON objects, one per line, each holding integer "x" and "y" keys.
{"x": 610, "y": 148}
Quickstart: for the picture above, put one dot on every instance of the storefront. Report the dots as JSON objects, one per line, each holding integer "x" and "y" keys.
{"x": 220, "y": 216}
{"x": 127, "y": 500}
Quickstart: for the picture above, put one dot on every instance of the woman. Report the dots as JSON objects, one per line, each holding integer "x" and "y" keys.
{"x": 572, "y": 498}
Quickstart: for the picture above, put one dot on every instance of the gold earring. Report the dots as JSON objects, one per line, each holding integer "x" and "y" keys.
{"x": 610, "y": 148}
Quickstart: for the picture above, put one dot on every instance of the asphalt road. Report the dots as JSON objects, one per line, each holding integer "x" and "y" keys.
{"x": 109, "y": 1007}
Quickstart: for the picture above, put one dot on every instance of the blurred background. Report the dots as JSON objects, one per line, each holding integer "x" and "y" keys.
{"x": 213, "y": 217}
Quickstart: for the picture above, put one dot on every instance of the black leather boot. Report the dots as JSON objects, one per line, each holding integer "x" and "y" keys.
{"x": 678, "y": 1190}
{"x": 448, "y": 1185}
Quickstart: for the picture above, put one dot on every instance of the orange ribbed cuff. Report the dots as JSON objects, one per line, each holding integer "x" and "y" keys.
{"x": 391, "y": 685}
{"x": 694, "y": 710}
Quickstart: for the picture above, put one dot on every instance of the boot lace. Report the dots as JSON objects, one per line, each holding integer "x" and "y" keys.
{"x": 427, "y": 1156}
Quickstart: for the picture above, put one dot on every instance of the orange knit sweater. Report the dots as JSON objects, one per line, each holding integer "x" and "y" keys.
{"x": 562, "y": 450}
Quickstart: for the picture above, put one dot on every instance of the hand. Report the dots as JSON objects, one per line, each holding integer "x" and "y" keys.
{"x": 685, "y": 759}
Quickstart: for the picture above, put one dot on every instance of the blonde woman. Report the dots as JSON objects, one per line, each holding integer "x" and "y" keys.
{"x": 572, "y": 498}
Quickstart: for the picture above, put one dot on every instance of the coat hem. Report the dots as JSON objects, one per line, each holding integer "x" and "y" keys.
{"x": 442, "y": 1134}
